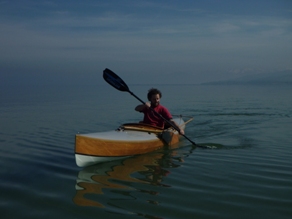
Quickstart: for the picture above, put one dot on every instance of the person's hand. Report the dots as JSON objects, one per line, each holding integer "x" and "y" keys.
{"x": 148, "y": 104}
{"x": 181, "y": 132}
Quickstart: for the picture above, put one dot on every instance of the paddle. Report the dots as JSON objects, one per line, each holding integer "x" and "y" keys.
{"x": 115, "y": 81}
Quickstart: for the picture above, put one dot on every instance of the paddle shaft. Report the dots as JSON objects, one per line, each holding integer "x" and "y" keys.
{"x": 114, "y": 80}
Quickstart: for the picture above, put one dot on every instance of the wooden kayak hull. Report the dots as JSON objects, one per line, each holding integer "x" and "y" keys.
{"x": 128, "y": 140}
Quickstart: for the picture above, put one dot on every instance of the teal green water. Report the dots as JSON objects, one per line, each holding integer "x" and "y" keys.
{"x": 248, "y": 175}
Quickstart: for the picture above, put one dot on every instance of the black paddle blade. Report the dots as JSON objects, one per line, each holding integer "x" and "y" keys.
{"x": 114, "y": 80}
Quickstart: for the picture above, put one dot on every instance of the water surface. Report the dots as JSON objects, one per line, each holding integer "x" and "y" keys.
{"x": 247, "y": 176}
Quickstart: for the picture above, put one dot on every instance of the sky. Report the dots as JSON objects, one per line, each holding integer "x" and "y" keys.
{"x": 144, "y": 42}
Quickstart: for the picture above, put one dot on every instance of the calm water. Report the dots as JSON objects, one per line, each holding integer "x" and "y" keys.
{"x": 249, "y": 175}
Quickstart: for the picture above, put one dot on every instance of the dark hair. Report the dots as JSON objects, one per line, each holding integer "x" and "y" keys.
{"x": 153, "y": 91}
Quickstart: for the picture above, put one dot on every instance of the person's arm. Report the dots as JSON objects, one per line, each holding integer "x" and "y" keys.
{"x": 181, "y": 131}
{"x": 141, "y": 107}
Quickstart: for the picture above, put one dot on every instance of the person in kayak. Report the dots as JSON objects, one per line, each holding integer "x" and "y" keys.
{"x": 154, "y": 95}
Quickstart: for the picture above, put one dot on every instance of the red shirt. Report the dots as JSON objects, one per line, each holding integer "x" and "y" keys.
{"x": 152, "y": 119}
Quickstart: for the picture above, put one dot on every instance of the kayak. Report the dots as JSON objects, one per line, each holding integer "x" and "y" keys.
{"x": 128, "y": 140}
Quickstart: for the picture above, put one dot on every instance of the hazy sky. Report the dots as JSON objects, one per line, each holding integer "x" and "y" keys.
{"x": 150, "y": 41}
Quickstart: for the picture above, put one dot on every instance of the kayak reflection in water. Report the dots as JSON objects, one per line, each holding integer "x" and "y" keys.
{"x": 100, "y": 185}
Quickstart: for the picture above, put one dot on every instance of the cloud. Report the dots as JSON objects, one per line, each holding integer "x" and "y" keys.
{"x": 166, "y": 38}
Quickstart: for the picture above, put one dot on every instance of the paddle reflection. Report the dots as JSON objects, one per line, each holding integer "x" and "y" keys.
{"x": 109, "y": 180}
